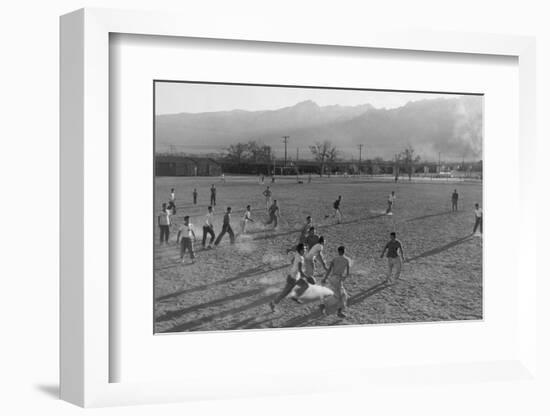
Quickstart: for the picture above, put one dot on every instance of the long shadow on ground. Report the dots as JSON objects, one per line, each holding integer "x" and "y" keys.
{"x": 193, "y": 325}
{"x": 438, "y": 250}
{"x": 216, "y": 302}
{"x": 353, "y": 300}
{"x": 247, "y": 273}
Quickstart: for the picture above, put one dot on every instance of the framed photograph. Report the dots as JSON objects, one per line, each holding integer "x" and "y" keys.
{"x": 227, "y": 199}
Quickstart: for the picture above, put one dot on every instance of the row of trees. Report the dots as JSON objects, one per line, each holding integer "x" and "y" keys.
{"x": 324, "y": 153}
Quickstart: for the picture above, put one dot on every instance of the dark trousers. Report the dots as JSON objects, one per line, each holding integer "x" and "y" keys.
{"x": 454, "y": 206}
{"x": 186, "y": 245}
{"x": 207, "y": 229}
{"x": 195, "y": 199}
{"x": 213, "y": 200}
{"x": 390, "y": 205}
{"x": 273, "y": 219}
{"x": 479, "y": 223}
{"x": 226, "y": 229}
{"x": 164, "y": 233}
{"x": 290, "y": 283}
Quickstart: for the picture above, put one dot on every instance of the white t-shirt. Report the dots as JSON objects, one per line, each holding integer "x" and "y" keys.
{"x": 186, "y": 230}
{"x": 314, "y": 251}
{"x": 295, "y": 267}
{"x": 391, "y": 198}
{"x": 164, "y": 217}
{"x": 246, "y": 216}
{"x": 172, "y": 196}
{"x": 208, "y": 219}
{"x": 478, "y": 212}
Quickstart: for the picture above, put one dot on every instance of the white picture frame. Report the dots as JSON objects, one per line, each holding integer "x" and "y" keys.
{"x": 85, "y": 264}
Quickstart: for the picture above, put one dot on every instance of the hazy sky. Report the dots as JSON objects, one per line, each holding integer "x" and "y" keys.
{"x": 175, "y": 97}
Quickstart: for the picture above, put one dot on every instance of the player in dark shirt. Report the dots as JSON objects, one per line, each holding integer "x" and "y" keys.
{"x": 454, "y": 201}
{"x": 213, "y": 196}
{"x": 226, "y": 228}
{"x": 394, "y": 253}
{"x": 311, "y": 238}
{"x": 337, "y": 212}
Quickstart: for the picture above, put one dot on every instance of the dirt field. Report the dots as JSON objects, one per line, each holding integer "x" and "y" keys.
{"x": 230, "y": 287}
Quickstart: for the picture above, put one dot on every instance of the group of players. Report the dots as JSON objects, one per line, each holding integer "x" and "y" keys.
{"x": 306, "y": 253}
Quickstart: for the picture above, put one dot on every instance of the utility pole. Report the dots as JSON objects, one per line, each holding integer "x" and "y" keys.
{"x": 439, "y": 163}
{"x": 285, "y": 140}
{"x": 360, "y": 146}
{"x": 297, "y": 153}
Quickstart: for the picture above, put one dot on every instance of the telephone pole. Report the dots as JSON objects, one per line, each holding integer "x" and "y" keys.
{"x": 360, "y": 146}
{"x": 297, "y": 153}
{"x": 285, "y": 140}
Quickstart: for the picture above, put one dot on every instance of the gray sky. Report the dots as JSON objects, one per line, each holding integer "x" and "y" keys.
{"x": 175, "y": 97}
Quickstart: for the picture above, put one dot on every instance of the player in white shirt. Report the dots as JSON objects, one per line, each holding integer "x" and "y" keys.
{"x": 247, "y": 217}
{"x": 391, "y": 202}
{"x": 338, "y": 271}
{"x": 296, "y": 277}
{"x": 187, "y": 233}
{"x": 164, "y": 222}
{"x": 208, "y": 228}
{"x": 315, "y": 252}
{"x": 172, "y": 195}
{"x": 478, "y": 213}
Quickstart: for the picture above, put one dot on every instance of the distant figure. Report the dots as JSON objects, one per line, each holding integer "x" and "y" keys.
{"x": 479, "y": 219}
{"x": 247, "y": 217}
{"x": 395, "y": 257}
{"x": 339, "y": 268}
{"x": 186, "y": 232}
{"x": 267, "y": 194}
{"x": 336, "y": 206}
{"x": 273, "y": 214}
{"x": 208, "y": 228}
{"x": 263, "y": 178}
{"x": 391, "y": 202}
{"x": 226, "y": 228}
{"x": 296, "y": 277}
{"x": 309, "y": 178}
{"x": 213, "y": 195}
{"x": 172, "y": 195}
{"x": 454, "y": 201}
{"x": 223, "y": 177}
{"x": 305, "y": 229}
{"x": 164, "y": 222}
{"x": 314, "y": 253}
{"x": 195, "y": 194}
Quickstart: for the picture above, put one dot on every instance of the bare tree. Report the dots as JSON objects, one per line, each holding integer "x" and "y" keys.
{"x": 408, "y": 159}
{"x": 324, "y": 153}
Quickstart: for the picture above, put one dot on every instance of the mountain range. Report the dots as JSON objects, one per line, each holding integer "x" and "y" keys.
{"x": 451, "y": 127}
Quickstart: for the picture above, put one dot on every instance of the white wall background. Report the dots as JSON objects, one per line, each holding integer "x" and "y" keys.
{"x": 29, "y": 192}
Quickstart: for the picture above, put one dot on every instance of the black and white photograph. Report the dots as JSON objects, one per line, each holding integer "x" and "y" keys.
{"x": 301, "y": 206}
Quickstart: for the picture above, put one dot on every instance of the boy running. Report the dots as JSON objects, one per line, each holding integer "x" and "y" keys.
{"x": 186, "y": 231}
{"x": 337, "y": 212}
{"x": 226, "y": 228}
{"x": 395, "y": 257}
{"x": 454, "y": 201}
{"x": 313, "y": 253}
{"x": 208, "y": 228}
{"x": 478, "y": 213}
{"x": 295, "y": 277}
{"x": 274, "y": 214}
{"x": 339, "y": 267}
{"x": 246, "y": 219}
{"x": 311, "y": 238}
{"x": 172, "y": 195}
{"x": 164, "y": 222}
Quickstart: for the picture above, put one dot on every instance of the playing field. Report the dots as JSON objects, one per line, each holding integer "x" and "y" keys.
{"x": 230, "y": 287}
